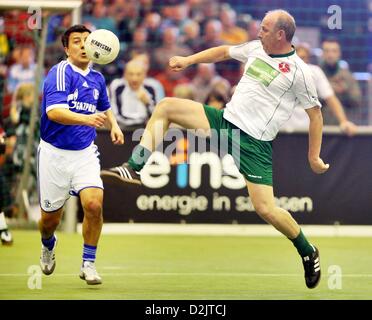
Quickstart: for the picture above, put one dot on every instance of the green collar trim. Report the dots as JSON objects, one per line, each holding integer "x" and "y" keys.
{"x": 283, "y": 55}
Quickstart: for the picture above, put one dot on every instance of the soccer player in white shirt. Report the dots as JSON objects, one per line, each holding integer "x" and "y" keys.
{"x": 74, "y": 104}
{"x": 275, "y": 79}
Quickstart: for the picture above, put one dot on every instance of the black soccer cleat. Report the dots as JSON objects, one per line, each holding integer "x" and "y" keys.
{"x": 121, "y": 174}
{"x": 312, "y": 269}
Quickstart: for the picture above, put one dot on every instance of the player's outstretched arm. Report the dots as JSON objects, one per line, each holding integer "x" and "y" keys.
{"x": 216, "y": 54}
{"x": 315, "y": 140}
{"x": 67, "y": 117}
{"x": 117, "y": 136}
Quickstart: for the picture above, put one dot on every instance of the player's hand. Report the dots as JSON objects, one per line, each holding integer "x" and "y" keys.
{"x": 96, "y": 120}
{"x": 117, "y": 136}
{"x": 349, "y": 128}
{"x": 318, "y": 166}
{"x": 178, "y": 63}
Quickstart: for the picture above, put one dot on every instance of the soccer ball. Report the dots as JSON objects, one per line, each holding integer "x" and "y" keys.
{"x": 102, "y": 46}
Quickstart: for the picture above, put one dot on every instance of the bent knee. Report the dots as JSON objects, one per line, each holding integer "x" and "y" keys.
{"x": 264, "y": 211}
{"x": 93, "y": 208}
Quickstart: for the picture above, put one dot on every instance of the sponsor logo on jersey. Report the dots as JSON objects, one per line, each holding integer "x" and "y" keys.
{"x": 95, "y": 94}
{"x": 284, "y": 67}
{"x": 83, "y": 106}
{"x": 262, "y": 72}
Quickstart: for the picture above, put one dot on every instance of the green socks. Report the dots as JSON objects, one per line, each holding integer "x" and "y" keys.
{"x": 139, "y": 157}
{"x": 303, "y": 246}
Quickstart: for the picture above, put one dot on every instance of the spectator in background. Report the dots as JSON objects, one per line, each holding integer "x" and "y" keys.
{"x": 4, "y": 43}
{"x": 191, "y": 35}
{"x": 22, "y": 71}
{"x": 5, "y": 235}
{"x": 217, "y": 98}
{"x": 184, "y": 91}
{"x": 131, "y": 101}
{"x": 177, "y": 15}
{"x": 342, "y": 81}
{"x": 144, "y": 58}
{"x": 209, "y": 10}
{"x": 99, "y": 18}
{"x": 152, "y": 23}
{"x": 212, "y": 35}
{"x": 205, "y": 80}
{"x": 138, "y": 45}
{"x": 299, "y": 119}
{"x": 20, "y": 114}
{"x": 117, "y": 10}
{"x": 170, "y": 80}
{"x": 54, "y": 52}
{"x": 231, "y": 33}
{"x": 145, "y": 7}
{"x": 169, "y": 48}
{"x": 129, "y": 22}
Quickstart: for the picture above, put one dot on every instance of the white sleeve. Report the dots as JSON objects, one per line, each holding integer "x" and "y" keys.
{"x": 323, "y": 87}
{"x": 241, "y": 51}
{"x": 304, "y": 87}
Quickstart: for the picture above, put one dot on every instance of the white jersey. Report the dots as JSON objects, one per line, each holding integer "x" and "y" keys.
{"x": 269, "y": 90}
{"x": 299, "y": 119}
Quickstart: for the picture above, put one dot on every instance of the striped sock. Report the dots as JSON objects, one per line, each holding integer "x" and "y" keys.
{"x": 89, "y": 253}
{"x": 49, "y": 243}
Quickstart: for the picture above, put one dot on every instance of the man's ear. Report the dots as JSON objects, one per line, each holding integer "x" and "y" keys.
{"x": 281, "y": 34}
{"x": 66, "y": 51}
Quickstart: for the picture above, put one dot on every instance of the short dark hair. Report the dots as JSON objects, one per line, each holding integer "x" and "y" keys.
{"x": 76, "y": 28}
{"x": 334, "y": 40}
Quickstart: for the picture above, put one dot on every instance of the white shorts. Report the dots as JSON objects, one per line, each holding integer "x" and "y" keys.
{"x": 62, "y": 173}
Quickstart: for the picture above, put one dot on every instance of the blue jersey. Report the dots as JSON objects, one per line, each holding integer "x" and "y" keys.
{"x": 67, "y": 86}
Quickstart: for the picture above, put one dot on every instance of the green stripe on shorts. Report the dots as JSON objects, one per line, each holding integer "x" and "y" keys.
{"x": 253, "y": 157}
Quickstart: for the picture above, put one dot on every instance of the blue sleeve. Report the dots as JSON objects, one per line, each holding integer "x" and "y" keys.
{"x": 103, "y": 102}
{"x": 56, "y": 87}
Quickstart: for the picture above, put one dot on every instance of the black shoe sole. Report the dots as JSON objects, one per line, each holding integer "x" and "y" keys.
{"x": 316, "y": 283}
{"x": 112, "y": 178}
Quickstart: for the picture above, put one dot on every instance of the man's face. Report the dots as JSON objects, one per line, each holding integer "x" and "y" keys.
{"x": 331, "y": 52}
{"x": 303, "y": 54}
{"x": 268, "y": 34}
{"x": 76, "y": 51}
{"x": 135, "y": 77}
{"x": 26, "y": 57}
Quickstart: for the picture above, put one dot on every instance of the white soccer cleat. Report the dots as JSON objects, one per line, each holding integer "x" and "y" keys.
{"x": 6, "y": 237}
{"x": 48, "y": 259}
{"x": 89, "y": 273}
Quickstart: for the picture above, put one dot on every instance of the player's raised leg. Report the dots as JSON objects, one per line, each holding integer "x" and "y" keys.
{"x": 91, "y": 200}
{"x": 262, "y": 197}
{"x": 186, "y": 113}
{"x": 48, "y": 224}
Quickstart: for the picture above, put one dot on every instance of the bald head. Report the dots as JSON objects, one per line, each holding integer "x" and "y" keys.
{"x": 283, "y": 21}
{"x": 135, "y": 73}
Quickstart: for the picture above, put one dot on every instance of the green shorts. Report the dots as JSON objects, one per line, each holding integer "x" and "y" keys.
{"x": 253, "y": 157}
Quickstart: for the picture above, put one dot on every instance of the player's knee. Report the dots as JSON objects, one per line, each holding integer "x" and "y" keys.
{"x": 50, "y": 222}
{"x": 264, "y": 211}
{"x": 93, "y": 209}
{"x": 165, "y": 105}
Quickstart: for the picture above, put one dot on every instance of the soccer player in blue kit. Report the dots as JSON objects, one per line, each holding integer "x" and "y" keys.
{"x": 74, "y": 104}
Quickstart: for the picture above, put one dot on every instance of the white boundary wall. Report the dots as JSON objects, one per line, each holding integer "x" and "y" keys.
{"x": 256, "y": 230}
